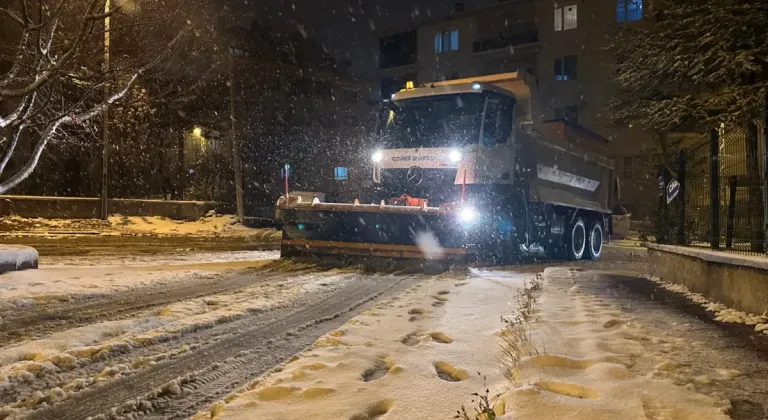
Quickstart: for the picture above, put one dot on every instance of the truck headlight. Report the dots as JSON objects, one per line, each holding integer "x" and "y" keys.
{"x": 468, "y": 214}
{"x": 454, "y": 156}
{"x": 377, "y": 156}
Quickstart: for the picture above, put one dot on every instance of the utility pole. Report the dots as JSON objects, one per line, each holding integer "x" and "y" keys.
{"x": 235, "y": 145}
{"x": 105, "y": 118}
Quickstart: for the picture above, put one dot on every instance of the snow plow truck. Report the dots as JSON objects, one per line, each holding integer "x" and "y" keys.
{"x": 459, "y": 174}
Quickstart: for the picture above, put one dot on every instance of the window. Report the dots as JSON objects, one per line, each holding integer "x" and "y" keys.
{"x": 568, "y": 113}
{"x": 565, "y": 18}
{"x": 628, "y": 167}
{"x": 340, "y": 173}
{"x": 635, "y": 167}
{"x": 565, "y": 68}
{"x": 239, "y": 53}
{"x": 446, "y": 41}
{"x": 571, "y": 113}
{"x": 499, "y": 119}
{"x": 629, "y": 10}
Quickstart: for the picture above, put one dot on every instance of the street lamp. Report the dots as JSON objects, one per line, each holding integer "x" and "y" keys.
{"x": 105, "y": 118}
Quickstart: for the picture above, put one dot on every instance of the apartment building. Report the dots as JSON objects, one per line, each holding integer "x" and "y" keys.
{"x": 561, "y": 44}
{"x": 299, "y": 106}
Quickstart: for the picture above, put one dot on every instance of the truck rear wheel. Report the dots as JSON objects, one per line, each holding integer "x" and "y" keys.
{"x": 576, "y": 240}
{"x": 595, "y": 240}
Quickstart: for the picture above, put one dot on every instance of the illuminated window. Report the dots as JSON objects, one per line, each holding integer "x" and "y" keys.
{"x": 238, "y": 52}
{"x": 340, "y": 173}
{"x": 446, "y": 41}
{"x": 566, "y": 18}
{"x": 629, "y": 10}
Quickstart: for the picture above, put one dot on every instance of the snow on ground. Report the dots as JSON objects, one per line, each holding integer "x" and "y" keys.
{"x": 722, "y": 312}
{"x": 108, "y": 274}
{"x": 416, "y": 355}
{"x": 17, "y": 257}
{"x": 219, "y": 225}
{"x": 597, "y": 362}
{"x": 79, "y": 346}
{"x": 164, "y": 259}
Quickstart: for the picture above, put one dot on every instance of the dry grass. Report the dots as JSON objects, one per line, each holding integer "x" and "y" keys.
{"x": 516, "y": 336}
{"x": 483, "y": 408}
{"x": 516, "y": 344}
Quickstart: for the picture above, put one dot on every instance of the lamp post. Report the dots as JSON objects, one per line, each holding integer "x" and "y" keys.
{"x": 105, "y": 119}
{"x": 235, "y": 145}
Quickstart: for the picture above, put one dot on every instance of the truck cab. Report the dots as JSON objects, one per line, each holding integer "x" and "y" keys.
{"x": 439, "y": 140}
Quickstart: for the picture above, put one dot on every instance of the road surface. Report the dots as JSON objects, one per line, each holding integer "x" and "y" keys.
{"x": 199, "y": 365}
{"x": 170, "y": 349}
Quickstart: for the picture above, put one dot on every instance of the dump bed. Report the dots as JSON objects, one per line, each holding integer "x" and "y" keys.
{"x": 566, "y": 172}
{"x": 557, "y": 161}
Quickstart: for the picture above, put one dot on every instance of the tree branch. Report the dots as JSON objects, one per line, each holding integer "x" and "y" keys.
{"x": 11, "y": 73}
{"x": 46, "y": 76}
{"x": 45, "y": 136}
{"x": 11, "y": 147}
{"x": 13, "y": 17}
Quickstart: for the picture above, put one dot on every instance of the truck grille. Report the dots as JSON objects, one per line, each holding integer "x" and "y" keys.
{"x": 435, "y": 185}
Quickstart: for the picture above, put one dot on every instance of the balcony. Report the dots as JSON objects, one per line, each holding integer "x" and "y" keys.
{"x": 502, "y": 41}
{"x": 396, "y": 61}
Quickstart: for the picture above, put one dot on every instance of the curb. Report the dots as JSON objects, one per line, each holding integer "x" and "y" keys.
{"x": 17, "y": 257}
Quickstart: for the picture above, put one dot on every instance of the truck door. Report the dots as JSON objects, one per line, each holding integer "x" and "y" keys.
{"x": 496, "y": 155}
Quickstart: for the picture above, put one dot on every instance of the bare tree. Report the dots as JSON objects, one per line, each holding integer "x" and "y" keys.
{"x": 55, "y": 79}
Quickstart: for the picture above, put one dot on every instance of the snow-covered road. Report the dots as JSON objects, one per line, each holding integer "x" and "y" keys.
{"x": 242, "y": 336}
{"x": 169, "y": 348}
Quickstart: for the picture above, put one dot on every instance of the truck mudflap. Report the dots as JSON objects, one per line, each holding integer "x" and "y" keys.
{"x": 397, "y": 232}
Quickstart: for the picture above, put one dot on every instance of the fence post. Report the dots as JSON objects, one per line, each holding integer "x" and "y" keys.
{"x": 731, "y": 212}
{"x": 765, "y": 172}
{"x": 714, "y": 189}
{"x": 662, "y": 236}
{"x": 681, "y": 239}
{"x": 754, "y": 199}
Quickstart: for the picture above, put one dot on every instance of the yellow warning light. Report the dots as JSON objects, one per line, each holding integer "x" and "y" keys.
{"x": 408, "y": 85}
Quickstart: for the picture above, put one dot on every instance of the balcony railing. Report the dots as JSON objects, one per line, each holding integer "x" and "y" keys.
{"x": 400, "y": 60}
{"x": 505, "y": 41}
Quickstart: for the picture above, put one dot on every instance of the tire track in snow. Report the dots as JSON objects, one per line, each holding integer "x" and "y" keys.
{"x": 120, "y": 305}
{"x": 139, "y": 355}
{"x": 209, "y": 372}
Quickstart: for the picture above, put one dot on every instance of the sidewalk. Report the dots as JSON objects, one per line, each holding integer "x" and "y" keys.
{"x": 417, "y": 355}
{"x": 422, "y": 355}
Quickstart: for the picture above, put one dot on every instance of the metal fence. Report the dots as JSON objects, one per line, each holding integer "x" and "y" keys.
{"x": 723, "y": 192}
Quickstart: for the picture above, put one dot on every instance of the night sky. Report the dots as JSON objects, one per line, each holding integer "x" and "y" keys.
{"x": 347, "y": 28}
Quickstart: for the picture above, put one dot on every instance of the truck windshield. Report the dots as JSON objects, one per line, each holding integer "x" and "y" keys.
{"x": 436, "y": 121}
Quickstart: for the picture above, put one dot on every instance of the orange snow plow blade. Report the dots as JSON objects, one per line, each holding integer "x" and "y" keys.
{"x": 367, "y": 231}
{"x": 301, "y": 246}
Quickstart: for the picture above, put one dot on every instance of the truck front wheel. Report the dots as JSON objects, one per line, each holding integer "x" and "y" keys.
{"x": 576, "y": 239}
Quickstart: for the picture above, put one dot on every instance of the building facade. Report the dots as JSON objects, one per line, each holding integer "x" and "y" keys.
{"x": 562, "y": 45}
{"x": 295, "y": 105}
